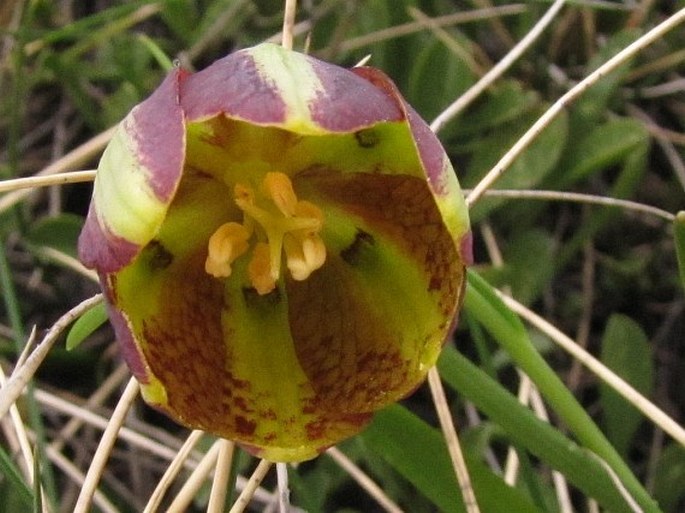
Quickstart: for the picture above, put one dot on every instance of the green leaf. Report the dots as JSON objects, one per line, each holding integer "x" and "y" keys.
{"x": 19, "y": 489}
{"x": 669, "y": 478}
{"x": 625, "y": 350}
{"x": 85, "y": 325}
{"x": 602, "y": 146}
{"x": 502, "y": 104}
{"x": 429, "y": 90}
{"x": 679, "y": 234}
{"x": 60, "y": 232}
{"x": 484, "y": 305}
{"x": 529, "y": 169}
{"x": 526, "y": 430}
{"x": 418, "y": 452}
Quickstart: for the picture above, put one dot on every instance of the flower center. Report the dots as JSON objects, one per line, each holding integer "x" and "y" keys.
{"x": 278, "y": 222}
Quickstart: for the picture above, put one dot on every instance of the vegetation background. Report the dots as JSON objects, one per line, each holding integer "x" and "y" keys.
{"x": 607, "y": 276}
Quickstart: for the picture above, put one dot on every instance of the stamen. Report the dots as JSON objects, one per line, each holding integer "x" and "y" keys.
{"x": 226, "y": 244}
{"x": 279, "y": 188}
{"x": 292, "y": 226}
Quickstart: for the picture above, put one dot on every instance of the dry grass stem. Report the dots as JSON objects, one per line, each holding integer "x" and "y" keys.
{"x": 560, "y": 484}
{"x": 109, "y": 386}
{"x": 107, "y": 441}
{"x": 76, "y": 158}
{"x": 217, "y": 497}
{"x": 252, "y": 484}
{"x": 197, "y": 478}
{"x": 649, "y": 409}
{"x": 454, "y": 46}
{"x": 363, "y": 479}
{"x": 496, "y": 71}
{"x": 289, "y": 13}
{"x": 453, "y": 446}
{"x": 22, "y": 438}
{"x": 172, "y": 471}
{"x": 551, "y": 113}
{"x": 32, "y": 182}
{"x": 22, "y": 375}
{"x": 283, "y": 488}
{"x": 405, "y": 29}
{"x": 575, "y": 197}
{"x": 632, "y": 503}
{"x": 84, "y": 414}
{"x": 75, "y": 474}
{"x": 67, "y": 261}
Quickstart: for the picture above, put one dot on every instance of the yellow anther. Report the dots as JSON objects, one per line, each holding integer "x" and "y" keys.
{"x": 226, "y": 244}
{"x": 286, "y": 223}
{"x": 279, "y": 188}
{"x": 304, "y": 255}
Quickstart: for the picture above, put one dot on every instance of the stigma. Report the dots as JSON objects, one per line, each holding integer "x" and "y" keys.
{"x": 277, "y": 223}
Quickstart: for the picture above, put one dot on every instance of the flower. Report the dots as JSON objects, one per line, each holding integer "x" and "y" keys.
{"x": 282, "y": 245}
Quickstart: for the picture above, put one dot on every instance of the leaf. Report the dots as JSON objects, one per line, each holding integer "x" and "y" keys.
{"x": 679, "y": 235}
{"x": 602, "y": 146}
{"x": 502, "y": 104}
{"x": 418, "y": 452}
{"x": 529, "y": 169}
{"x": 485, "y": 307}
{"x": 60, "y": 232}
{"x": 669, "y": 478}
{"x": 85, "y": 325}
{"x": 19, "y": 490}
{"x": 625, "y": 350}
{"x": 529, "y": 264}
{"x": 526, "y": 430}
{"x": 437, "y": 76}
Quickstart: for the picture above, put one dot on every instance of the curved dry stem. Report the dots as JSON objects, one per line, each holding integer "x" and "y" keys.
{"x": 74, "y": 159}
{"x": 375, "y": 491}
{"x": 544, "y": 120}
{"x": 289, "y": 13}
{"x": 104, "y": 449}
{"x": 31, "y": 182}
{"x": 649, "y": 409}
{"x": 217, "y": 497}
{"x": 22, "y": 375}
{"x": 75, "y": 474}
{"x": 496, "y": 71}
{"x": 172, "y": 471}
{"x": 111, "y": 383}
{"x": 453, "y": 446}
{"x": 252, "y": 484}
{"x": 576, "y": 197}
{"x": 406, "y": 29}
{"x": 283, "y": 487}
{"x": 195, "y": 481}
{"x": 22, "y": 438}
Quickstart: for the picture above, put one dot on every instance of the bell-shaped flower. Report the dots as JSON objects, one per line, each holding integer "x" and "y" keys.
{"x": 282, "y": 245}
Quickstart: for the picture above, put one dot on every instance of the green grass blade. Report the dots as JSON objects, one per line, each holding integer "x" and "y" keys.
{"x": 86, "y": 325}
{"x": 527, "y": 431}
{"x": 16, "y": 481}
{"x": 418, "y": 452}
{"x": 482, "y": 302}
